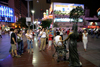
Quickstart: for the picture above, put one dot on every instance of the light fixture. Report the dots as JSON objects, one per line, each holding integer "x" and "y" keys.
{"x": 37, "y": 1}
{"x": 32, "y": 11}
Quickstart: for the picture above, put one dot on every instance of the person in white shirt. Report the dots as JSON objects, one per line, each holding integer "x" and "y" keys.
{"x": 85, "y": 39}
{"x": 29, "y": 40}
{"x": 43, "y": 39}
{"x": 57, "y": 40}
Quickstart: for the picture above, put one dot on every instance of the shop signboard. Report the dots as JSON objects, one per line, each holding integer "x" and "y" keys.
{"x": 6, "y": 14}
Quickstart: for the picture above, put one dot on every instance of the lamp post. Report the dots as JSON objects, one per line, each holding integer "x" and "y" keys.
{"x": 28, "y": 22}
{"x": 33, "y": 18}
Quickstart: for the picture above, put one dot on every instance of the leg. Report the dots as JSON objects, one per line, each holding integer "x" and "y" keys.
{"x": 1, "y": 36}
{"x": 28, "y": 42}
{"x": 41, "y": 44}
{"x": 19, "y": 48}
{"x": 22, "y": 47}
{"x": 12, "y": 52}
{"x": 31, "y": 46}
{"x": 44, "y": 42}
{"x": 84, "y": 43}
{"x": 49, "y": 46}
{"x": 10, "y": 49}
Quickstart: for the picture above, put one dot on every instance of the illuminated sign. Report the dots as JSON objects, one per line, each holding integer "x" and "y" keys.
{"x": 6, "y": 14}
{"x": 65, "y": 8}
{"x": 67, "y": 20}
{"x": 98, "y": 13}
{"x": 47, "y": 12}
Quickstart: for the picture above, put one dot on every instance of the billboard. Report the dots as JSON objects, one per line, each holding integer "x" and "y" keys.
{"x": 6, "y": 14}
{"x": 64, "y": 8}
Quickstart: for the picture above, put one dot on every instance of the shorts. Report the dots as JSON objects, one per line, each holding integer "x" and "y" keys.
{"x": 13, "y": 46}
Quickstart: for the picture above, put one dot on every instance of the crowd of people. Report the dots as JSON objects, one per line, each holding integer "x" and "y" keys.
{"x": 48, "y": 38}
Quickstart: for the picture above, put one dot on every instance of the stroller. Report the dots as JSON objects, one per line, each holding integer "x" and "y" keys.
{"x": 61, "y": 52}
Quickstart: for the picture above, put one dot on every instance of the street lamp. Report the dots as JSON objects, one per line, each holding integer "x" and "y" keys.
{"x": 33, "y": 17}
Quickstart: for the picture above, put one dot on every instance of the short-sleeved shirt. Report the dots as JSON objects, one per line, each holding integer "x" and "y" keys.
{"x": 85, "y": 37}
{"x": 50, "y": 36}
{"x": 57, "y": 39}
{"x": 13, "y": 35}
{"x": 43, "y": 35}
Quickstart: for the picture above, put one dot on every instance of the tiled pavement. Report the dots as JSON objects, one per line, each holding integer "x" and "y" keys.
{"x": 44, "y": 58}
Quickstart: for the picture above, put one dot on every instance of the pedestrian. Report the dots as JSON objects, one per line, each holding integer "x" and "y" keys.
{"x": 50, "y": 40}
{"x": 20, "y": 43}
{"x": 85, "y": 39}
{"x": 13, "y": 44}
{"x": 11, "y": 31}
{"x": 29, "y": 40}
{"x": 43, "y": 39}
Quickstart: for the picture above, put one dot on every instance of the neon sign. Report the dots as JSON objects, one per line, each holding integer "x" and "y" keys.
{"x": 6, "y": 14}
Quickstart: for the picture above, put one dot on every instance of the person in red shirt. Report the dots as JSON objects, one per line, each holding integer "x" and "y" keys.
{"x": 50, "y": 40}
{"x": 68, "y": 32}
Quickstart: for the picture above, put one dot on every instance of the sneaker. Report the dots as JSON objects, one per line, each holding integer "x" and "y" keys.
{"x": 18, "y": 56}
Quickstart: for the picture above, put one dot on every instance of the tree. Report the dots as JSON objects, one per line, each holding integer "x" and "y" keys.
{"x": 21, "y": 22}
{"x": 76, "y": 13}
{"x": 46, "y": 23}
{"x": 55, "y": 25}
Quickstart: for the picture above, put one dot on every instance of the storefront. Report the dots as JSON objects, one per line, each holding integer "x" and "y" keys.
{"x": 6, "y": 16}
{"x": 93, "y": 24}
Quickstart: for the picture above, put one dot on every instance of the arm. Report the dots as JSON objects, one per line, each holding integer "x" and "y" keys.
{"x": 13, "y": 40}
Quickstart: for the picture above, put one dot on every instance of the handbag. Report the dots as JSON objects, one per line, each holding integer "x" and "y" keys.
{"x": 18, "y": 39}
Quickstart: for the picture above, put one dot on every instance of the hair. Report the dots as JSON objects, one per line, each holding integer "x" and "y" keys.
{"x": 19, "y": 31}
{"x": 58, "y": 33}
{"x": 85, "y": 30}
{"x": 11, "y": 29}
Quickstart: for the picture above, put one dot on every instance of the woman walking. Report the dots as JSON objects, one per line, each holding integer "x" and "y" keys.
{"x": 85, "y": 39}
{"x": 29, "y": 40}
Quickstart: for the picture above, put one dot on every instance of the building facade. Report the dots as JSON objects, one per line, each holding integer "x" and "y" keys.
{"x": 19, "y": 10}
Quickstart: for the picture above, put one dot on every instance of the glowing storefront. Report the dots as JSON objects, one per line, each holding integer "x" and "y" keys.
{"x": 6, "y": 15}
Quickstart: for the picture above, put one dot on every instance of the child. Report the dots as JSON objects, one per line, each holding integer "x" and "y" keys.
{"x": 50, "y": 40}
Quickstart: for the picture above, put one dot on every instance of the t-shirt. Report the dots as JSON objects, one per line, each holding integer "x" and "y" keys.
{"x": 61, "y": 32}
{"x": 43, "y": 35}
{"x": 85, "y": 37}
{"x": 28, "y": 35}
{"x": 50, "y": 36}
{"x": 13, "y": 36}
{"x": 68, "y": 32}
{"x": 57, "y": 39}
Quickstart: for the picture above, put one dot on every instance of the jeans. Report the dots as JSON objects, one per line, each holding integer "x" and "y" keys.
{"x": 30, "y": 43}
{"x": 20, "y": 47}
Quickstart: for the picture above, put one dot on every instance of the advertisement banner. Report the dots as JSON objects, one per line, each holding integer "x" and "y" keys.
{"x": 65, "y": 8}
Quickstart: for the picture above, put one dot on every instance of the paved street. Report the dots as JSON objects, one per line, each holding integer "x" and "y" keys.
{"x": 90, "y": 58}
